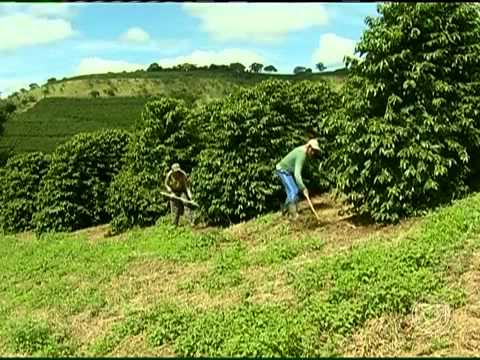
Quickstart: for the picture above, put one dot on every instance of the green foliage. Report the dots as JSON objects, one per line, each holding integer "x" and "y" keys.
{"x": 6, "y": 109}
{"x": 409, "y": 137}
{"x": 320, "y": 67}
{"x": 245, "y": 135}
{"x": 270, "y": 68}
{"x": 256, "y": 67}
{"x": 154, "y": 67}
{"x": 36, "y": 338}
{"x": 299, "y": 70}
{"x": 131, "y": 200}
{"x": 53, "y": 121}
{"x": 237, "y": 67}
{"x": 226, "y": 268}
{"x": 247, "y": 330}
{"x": 162, "y": 137}
{"x": 110, "y": 92}
{"x": 19, "y": 184}
{"x": 73, "y": 192}
{"x": 285, "y": 248}
{"x": 169, "y": 322}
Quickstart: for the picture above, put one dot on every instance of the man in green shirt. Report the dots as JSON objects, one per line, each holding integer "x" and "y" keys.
{"x": 289, "y": 170}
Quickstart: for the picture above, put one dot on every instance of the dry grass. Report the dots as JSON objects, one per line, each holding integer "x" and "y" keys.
{"x": 268, "y": 285}
{"x": 431, "y": 329}
{"x": 135, "y": 346}
{"x": 96, "y": 232}
{"x": 146, "y": 281}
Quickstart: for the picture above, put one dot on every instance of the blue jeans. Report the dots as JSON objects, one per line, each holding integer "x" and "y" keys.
{"x": 290, "y": 186}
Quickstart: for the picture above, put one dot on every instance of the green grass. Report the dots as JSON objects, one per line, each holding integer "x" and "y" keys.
{"x": 37, "y": 338}
{"x": 47, "y": 282}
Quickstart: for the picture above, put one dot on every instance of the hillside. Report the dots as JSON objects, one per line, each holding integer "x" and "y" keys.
{"x": 263, "y": 288}
{"x": 59, "y": 109}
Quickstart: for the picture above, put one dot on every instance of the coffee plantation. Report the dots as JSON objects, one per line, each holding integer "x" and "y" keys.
{"x": 401, "y": 137}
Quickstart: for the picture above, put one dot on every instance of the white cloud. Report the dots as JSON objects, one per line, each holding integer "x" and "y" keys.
{"x": 332, "y": 49}
{"x": 223, "y": 57}
{"x": 263, "y": 22}
{"x": 135, "y": 35}
{"x": 95, "y": 65}
{"x": 18, "y": 30}
{"x": 57, "y": 10}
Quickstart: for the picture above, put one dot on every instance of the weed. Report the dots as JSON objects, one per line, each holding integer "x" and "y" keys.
{"x": 35, "y": 337}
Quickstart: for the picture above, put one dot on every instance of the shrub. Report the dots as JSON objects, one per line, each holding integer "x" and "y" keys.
{"x": 94, "y": 93}
{"x": 38, "y": 338}
{"x": 162, "y": 137}
{"x": 411, "y": 122}
{"x": 131, "y": 200}
{"x": 110, "y": 92}
{"x": 19, "y": 183}
{"x": 73, "y": 192}
{"x": 246, "y": 135}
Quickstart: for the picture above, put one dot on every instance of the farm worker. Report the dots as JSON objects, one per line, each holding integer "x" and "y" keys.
{"x": 289, "y": 170}
{"x": 177, "y": 183}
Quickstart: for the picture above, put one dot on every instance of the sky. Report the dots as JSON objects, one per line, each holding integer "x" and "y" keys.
{"x": 43, "y": 40}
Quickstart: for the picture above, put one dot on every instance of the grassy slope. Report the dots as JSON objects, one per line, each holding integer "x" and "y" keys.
{"x": 63, "y": 108}
{"x": 266, "y": 287}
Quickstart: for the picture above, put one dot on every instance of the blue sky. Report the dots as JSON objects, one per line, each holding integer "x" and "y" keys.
{"x": 39, "y": 41}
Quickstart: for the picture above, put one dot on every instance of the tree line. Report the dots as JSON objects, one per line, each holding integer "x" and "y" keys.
{"x": 234, "y": 67}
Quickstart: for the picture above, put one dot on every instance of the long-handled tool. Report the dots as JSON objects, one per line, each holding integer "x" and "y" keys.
{"x": 189, "y": 203}
{"x": 311, "y": 206}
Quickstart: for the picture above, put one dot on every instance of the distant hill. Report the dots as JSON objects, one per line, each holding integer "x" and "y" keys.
{"x": 51, "y": 113}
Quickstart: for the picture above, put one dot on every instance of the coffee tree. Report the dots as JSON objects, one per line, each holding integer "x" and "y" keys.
{"x": 410, "y": 124}
{"x": 162, "y": 137}
{"x": 73, "y": 192}
{"x": 247, "y": 134}
{"x": 19, "y": 183}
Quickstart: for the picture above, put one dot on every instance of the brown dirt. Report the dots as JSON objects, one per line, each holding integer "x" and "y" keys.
{"x": 339, "y": 232}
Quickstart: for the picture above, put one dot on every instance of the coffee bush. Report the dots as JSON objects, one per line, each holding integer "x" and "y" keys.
{"x": 19, "y": 184}
{"x": 73, "y": 192}
{"x": 411, "y": 124}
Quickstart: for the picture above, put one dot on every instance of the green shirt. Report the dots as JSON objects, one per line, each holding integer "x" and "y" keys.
{"x": 293, "y": 163}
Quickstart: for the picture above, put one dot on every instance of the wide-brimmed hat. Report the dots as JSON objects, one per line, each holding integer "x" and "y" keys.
{"x": 314, "y": 144}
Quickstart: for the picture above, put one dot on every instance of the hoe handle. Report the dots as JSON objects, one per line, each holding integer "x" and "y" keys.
{"x": 311, "y": 206}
